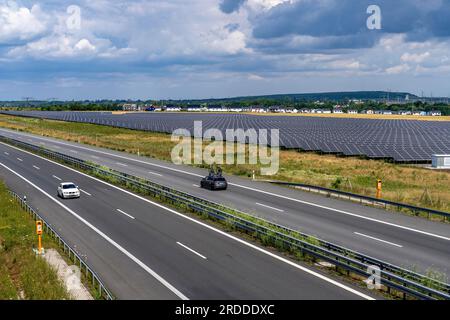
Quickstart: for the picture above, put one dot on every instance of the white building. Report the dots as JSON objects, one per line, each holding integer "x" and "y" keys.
{"x": 435, "y": 113}
{"x": 440, "y": 161}
{"x": 131, "y": 107}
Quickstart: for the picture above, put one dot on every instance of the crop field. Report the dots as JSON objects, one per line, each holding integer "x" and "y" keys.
{"x": 399, "y": 140}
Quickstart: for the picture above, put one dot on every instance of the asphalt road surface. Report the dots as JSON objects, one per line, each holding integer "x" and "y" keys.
{"x": 143, "y": 250}
{"x": 403, "y": 240}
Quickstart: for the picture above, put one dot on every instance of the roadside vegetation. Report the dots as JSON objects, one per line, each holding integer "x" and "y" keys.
{"x": 23, "y": 275}
{"x": 409, "y": 184}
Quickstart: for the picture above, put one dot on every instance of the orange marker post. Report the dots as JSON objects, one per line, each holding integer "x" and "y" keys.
{"x": 39, "y": 233}
{"x": 379, "y": 187}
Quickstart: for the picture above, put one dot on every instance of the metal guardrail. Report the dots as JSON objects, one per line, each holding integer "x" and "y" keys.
{"x": 97, "y": 283}
{"x": 392, "y": 277}
{"x": 361, "y": 198}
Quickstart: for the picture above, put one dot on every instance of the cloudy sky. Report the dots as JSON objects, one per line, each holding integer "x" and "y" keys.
{"x": 220, "y": 48}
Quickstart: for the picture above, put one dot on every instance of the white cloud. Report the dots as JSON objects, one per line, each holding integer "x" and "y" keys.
{"x": 21, "y": 23}
{"x": 415, "y": 57}
{"x": 84, "y": 45}
{"x": 255, "y": 77}
{"x": 402, "y": 68}
{"x": 265, "y": 4}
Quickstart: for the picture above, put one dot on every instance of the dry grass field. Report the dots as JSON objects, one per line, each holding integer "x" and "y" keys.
{"x": 409, "y": 184}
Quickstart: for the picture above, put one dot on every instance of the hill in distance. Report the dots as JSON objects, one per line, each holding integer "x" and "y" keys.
{"x": 324, "y": 96}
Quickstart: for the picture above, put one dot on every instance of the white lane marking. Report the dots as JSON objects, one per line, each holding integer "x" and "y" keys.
{"x": 57, "y": 178}
{"x": 117, "y": 156}
{"x": 73, "y": 151}
{"x": 104, "y": 236}
{"x": 123, "y": 212}
{"x": 86, "y": 192}
{"x": 260, "y": 191}
{"x": 156, "y": 174}
{"x": 6, "y": 153}
{"x": 373, "y": 238}
{"x": 223, "y": 233}
{"x": 36, "y": 167}
{"x": 122, "y": 164}
{"x": 346, "y": 213}
{"x": 263, "y": 205}
{"x": 196, "y": 185}
{"x": 95, "y": 157}
{"x": 20, "y": 159}
{"x": 191, "y": 250}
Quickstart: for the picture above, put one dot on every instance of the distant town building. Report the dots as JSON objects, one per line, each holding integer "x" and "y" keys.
{"x": 131, "y": 107}
{"x": 435, "y": 113}
{"x": 338, "y": 109}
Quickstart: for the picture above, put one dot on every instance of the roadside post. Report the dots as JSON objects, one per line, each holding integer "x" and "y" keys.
{"x": 39, "y": 234}
{"x": 379, "y": 188}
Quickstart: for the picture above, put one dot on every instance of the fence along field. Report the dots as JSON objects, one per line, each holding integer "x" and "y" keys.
{"x": 399, "y": 140}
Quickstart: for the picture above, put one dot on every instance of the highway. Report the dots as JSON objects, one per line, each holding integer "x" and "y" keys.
{"x": 399, "y": 239}
{"x": 144, "y": 250}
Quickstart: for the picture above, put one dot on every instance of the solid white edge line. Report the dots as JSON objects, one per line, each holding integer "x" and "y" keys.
{"x": 104, "y": 236}
{"x": 86, "y": 192}
{"x": 377, "y": 239}
{"x": 191, "y": 250}
{"x": 295, "y": 265}
{"x": 256, "y": 190}
{"x": 124, "y": 213}
{"x": 266, "y": 206}
{"x": 122, "y": 164}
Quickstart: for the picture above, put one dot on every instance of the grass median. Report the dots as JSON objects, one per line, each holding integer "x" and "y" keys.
{"x": 402, "y": 183}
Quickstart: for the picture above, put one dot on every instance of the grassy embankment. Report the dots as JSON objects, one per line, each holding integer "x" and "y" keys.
{"x": 22, "y": 274}
{"x": 408, "y": 184}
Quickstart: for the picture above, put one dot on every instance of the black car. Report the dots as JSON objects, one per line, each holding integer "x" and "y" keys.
{"x": 214, "y": 182}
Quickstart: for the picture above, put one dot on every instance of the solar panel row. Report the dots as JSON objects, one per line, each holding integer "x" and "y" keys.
{"x": 401, "y": 140}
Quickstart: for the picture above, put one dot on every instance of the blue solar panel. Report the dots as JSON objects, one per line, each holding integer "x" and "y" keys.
{"x": 400, "y": 140}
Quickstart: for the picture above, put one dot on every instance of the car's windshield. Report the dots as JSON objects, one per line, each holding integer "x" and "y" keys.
{"x": 69, "y": 186}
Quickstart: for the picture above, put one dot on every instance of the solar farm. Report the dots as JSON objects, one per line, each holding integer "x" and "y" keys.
{"x": 404, "y": 141}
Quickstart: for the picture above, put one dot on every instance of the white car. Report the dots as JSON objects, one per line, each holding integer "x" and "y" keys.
{"x": 68, "y": 190}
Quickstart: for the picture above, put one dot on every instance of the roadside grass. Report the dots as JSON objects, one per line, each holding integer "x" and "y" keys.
{"x": 22, "y": 274}
{"x": 413, "y": 185}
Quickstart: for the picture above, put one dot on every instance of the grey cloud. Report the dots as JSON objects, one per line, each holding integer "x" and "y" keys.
{"x": 230, "y": 6}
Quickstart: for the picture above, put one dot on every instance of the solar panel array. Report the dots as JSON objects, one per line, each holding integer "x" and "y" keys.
{"x": 400, "y": 140}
